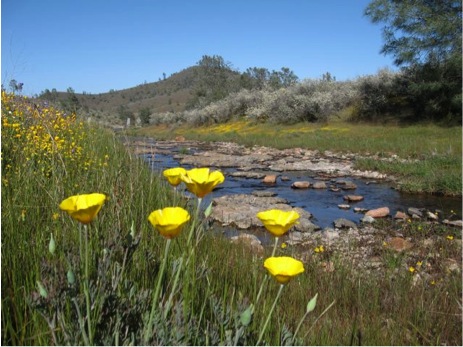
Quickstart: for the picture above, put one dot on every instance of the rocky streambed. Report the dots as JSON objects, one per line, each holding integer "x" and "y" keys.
{"x": 346, "y": 214}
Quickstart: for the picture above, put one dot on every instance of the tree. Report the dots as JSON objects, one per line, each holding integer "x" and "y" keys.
{"x": 145, "y": 114}
{"x": 15, "y": 86}
{"x": 425, "y": 38}
{"x": 419, "y": 31}
{"x": 216, "y": 79}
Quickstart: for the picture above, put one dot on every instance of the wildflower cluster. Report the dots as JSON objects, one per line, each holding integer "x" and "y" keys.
{"x": 169, "y": 222}
{"x": 39, "y": 137}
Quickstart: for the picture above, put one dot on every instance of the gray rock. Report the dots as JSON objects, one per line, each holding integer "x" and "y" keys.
{"x": 250, "y": 241}
{"x": 247, "y": 174}
{"x": 367, "y": 219}
{"x": 415, "y": 211}
{"x": 330, "y": 234}
{"x": 344, "y": 223}
{"x": 263, "y": 193}
{"x": 319, "y": 185}
{"x": 240, "y": 210}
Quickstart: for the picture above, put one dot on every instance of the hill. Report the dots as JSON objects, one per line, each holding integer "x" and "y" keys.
{"x": 173, "y": 94}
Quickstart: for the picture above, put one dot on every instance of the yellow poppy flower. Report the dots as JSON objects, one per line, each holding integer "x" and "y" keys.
{"x": 83, "y": 208}
{"x": 283, "y": 268}
{"x": 174, "y": 176}
{"x": 278, "y": 222}
{"x": 201, "y": 181}
{"x": 169, "y": 221}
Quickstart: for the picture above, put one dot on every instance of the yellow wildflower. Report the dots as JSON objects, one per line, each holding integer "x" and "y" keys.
{"x": 83, "y": 208}
{"x": 169, "y": 221}
{"x": 283, "y": 268}
{"x": 278, "y": 222}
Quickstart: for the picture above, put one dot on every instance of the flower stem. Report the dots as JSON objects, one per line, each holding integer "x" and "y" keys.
{"x": 270, "y": 314}
{"x": 87, "y": 289}
{"x": 172, "y": 293}
{"x": 156, "y": 293}
{"x": 275, "y": 246}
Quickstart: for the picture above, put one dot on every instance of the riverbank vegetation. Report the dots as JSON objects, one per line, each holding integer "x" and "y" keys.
{"x": 67, "y": 283}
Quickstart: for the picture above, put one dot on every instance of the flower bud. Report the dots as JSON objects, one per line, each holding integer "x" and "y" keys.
{"x": 42, "y": 291}
{"x": 70, "y": 276}
{"x": 246, "y": 315}
{"x": 52, "y": 244}
{"x": 312, "y": 303}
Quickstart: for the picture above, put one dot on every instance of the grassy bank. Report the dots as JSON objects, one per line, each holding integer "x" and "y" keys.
{"x": 434, "y": 153}
{"x": 96, "y": 284}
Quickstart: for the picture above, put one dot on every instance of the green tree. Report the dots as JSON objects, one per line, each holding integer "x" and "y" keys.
{"x": 425, "y": 39}
{"x": 145, "y": 114}
{"x": 215, "y": 80}
{"x": 419, "y": 31}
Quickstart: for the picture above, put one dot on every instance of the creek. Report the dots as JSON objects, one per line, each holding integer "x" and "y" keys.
{"x": 321, "y": 203}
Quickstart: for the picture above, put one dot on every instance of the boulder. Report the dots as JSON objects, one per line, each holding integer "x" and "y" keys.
{"x": 250, "y": 241}
{"x": 341, "y": 223}
{"x": 413, "y": 211}
{"x": 398, "y": 244}
{"x": 400, "y": 215}
{"x": 240, "y": 210}
{"x": 247, "y": 174}
{"x": 319, "y": 185}
{"x": 300, "y": 185}
{"x": 353, "y": 198}
{"x": 378, "y": 212}
{"x": 270, "y": 179}
{"x": 367, "y": 219}
{"x": 453, "y": 223}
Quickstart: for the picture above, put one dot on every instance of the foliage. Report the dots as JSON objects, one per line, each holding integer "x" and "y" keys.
{"x": 425, "y": 38}
{"x": 420, "y": 31}
{"x": 145, "y": 114}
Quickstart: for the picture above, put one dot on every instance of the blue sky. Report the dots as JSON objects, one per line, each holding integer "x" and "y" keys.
{"x": 97, "y": 45}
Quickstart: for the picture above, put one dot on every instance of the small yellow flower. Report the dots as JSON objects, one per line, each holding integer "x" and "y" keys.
{"x": 433, "y": 282}
{"x": 284, "y": 245}
{"x": 23, "y": 215}
{"x": 169, "y": 221}
{"x": 283, "y": 268}
{"x": 419, "y": 263}
{"x": 278, "y": 222}
{"x": 384, "y": 243}
{"x": 411, "y": 269}
{"x": 450, "y": 237}
{"x": 83, "y": 208}
{"x": 55, "y": 216}
{"x": 201, "y": 181}
{"x": 319, "y": 249}
{"x": 174, "y": 176}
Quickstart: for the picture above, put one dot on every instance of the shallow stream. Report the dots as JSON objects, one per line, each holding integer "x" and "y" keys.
{"x": 321, "y": 203}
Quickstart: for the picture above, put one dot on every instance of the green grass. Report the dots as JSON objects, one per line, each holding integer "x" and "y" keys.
{"x": 220, "y": 282}
{"x": 434, "y": 153}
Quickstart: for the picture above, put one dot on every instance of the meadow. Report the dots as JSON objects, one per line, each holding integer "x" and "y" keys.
{"x": 117, "y": 280}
